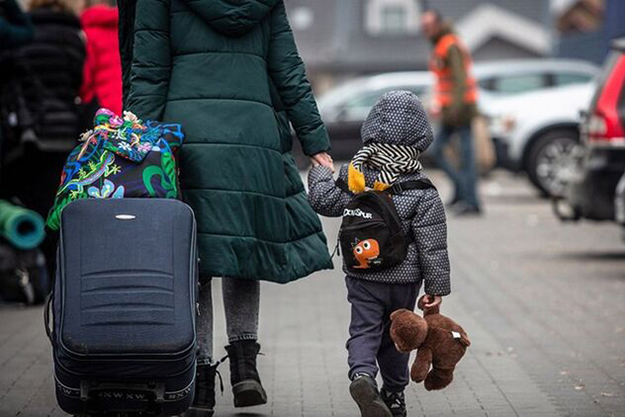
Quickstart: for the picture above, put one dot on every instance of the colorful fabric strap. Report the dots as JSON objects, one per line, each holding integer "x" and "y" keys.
{"x": 389, "y": 159}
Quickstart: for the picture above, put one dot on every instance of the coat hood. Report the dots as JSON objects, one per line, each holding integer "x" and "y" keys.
{"x": 398, "y": 118}
{"x": 100, "y": 16}
{"x": 232, "y": 17}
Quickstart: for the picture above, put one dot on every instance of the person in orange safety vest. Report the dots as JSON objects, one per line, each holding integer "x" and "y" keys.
{"x": 454, "y": 102}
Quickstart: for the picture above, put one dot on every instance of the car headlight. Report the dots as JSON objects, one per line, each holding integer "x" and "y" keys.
{"x": 502, "y": 125}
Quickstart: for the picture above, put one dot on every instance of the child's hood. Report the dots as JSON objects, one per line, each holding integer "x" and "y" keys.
{"x": 398, "y": 118}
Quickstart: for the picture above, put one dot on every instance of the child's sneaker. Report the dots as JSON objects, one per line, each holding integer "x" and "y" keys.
{"x": 365, "y": 392}
{"x": 396, "y": 402}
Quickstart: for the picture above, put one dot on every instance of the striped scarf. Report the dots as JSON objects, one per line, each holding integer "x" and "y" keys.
{"x": 391, "y": 160}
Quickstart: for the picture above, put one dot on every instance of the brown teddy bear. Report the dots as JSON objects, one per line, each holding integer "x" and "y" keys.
{"x": 441, "y": 343}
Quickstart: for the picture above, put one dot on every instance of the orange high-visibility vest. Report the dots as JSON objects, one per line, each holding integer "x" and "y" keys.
{"x": 444, "y": 83}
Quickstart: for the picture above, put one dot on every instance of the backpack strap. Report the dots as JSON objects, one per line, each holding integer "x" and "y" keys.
{"x": 397, "y": 188}
{"x": 340, "y": 182}
{"x": 420, "y": 184}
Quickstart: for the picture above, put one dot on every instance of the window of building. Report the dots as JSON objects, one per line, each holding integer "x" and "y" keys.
{"x": 392, "y": 17}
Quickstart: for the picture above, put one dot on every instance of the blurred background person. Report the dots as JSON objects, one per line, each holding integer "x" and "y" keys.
{"x": 454, "y": 102}
{"x": 15, "y": 26}
{"x": 102, "y": 78}
{"x": 15, "y": 29}
{"x": 42, "y": 88}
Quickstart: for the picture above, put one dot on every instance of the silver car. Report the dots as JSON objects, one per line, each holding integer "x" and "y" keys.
{"x": 344, "y": 108}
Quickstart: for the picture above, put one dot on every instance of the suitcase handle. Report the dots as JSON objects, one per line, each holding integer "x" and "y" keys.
{"x": 46, "y": 317}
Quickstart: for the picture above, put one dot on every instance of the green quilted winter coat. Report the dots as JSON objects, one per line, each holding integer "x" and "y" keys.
{"x": 230, "y": 73}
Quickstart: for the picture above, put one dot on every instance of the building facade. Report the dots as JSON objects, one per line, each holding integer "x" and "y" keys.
{"x": 340, "y": 39}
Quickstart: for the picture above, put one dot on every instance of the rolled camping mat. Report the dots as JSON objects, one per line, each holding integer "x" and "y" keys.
{"x": 22, "y": 228}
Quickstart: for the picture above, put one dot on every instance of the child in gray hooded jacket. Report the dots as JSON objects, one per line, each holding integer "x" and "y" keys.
{"x": 396, "y": 131}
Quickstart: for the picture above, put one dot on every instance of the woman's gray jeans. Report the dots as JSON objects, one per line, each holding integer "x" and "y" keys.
{"x": 241, "y": 304}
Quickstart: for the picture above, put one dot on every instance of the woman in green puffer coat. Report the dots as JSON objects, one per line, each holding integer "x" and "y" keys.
{"x": 231, "y": 74}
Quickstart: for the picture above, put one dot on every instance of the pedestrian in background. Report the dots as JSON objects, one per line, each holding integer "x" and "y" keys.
{"x": 454, "y": 102}
{"x": 230, "y": 73}
{"x": 15, "y": 29}
{"x": 102, "y": 78}
{"x": 41, "y": 92}
{"x": 15, "y": 26}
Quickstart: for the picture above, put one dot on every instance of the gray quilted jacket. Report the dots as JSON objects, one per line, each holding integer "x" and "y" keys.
{"x": 421, "y": 211}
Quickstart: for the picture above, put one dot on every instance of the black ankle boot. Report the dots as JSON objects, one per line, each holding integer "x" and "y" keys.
{"x": 204, "y": 400}
{"x": 246, "y": 385}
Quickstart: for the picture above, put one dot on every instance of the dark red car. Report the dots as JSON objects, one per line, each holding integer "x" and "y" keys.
{"x": 591, "y": 193}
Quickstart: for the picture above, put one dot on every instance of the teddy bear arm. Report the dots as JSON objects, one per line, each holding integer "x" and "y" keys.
{"x": 464, "y": 338}
{"x": 421, "y": 365}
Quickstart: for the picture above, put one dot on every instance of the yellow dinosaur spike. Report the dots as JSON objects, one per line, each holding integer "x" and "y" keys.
{"x": 380, "y": 186}
{"x": 355, "y": 179}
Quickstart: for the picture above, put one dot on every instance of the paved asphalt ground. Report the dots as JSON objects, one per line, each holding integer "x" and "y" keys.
{"x": 543, "y": 303}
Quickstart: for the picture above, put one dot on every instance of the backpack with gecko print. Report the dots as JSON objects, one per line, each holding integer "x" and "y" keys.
{"x": 371, "y": 235}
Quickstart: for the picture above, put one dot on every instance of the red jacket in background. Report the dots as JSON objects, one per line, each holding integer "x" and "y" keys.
{"x": 102, "y": 77}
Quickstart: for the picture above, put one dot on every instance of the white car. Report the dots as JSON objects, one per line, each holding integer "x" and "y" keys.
{"x": 504, "y": 87}
{"x": 538, "y": 132}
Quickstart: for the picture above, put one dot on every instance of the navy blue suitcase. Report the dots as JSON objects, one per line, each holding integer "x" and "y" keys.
{"x": 124, "y": 305}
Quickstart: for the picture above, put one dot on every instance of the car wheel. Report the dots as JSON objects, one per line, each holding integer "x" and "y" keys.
{"x": 553, "y": 159}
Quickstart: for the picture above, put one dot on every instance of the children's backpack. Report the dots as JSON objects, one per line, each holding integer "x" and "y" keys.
{"x": 371, "y": 234}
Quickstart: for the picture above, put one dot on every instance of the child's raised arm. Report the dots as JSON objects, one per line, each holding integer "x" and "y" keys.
{"x": 325, "y": 197}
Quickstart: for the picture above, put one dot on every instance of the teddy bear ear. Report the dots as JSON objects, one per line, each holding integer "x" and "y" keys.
{"x": 396, "y": 313}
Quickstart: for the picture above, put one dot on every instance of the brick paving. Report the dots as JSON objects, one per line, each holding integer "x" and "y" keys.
{"x": 543, "y": 303}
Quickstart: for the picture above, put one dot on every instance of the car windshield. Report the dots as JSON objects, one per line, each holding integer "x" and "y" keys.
{"x": 354, "y": 105}
{"x": 520, "y": 83}
{"x": 509, "y": 82}
{"x": 570, "y": 78}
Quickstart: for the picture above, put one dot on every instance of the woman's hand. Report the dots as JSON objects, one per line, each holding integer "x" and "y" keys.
{"x": 323, "y": 159}
{"x": 430, "y": 301}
